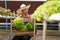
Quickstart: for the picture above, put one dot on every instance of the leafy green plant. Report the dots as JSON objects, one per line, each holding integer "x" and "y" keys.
{"x": 19, "y": 23}
{"x": 30, "y": 26}
{"x": 49, "y": 8}
{"x": 4, "y": 11}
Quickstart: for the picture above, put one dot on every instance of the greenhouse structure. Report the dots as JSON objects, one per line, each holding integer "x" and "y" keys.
{"x": 29, "y": 20}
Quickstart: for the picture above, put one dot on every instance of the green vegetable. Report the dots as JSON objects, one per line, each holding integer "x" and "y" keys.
{"x": 49, "y": 8}
{"x": 19, "y": 23}
{"x": 30, "y": 26}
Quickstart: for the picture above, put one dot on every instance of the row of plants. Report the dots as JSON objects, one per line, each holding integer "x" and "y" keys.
{"x": 8, "y": 12}
{"x": 48, "y": 8}
{"x": 4, "y": 11}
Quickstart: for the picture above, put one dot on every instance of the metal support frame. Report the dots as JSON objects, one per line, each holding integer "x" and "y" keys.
{"x": 59, "y": 26}
{"x": 11, "y": 28}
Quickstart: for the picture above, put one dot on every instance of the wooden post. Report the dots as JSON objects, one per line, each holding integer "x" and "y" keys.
{"x": 44, "y": 30}
{"x": 34, "y": 28}
{"x": 11, "y": 27}
{"x": 45, "y": 25}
